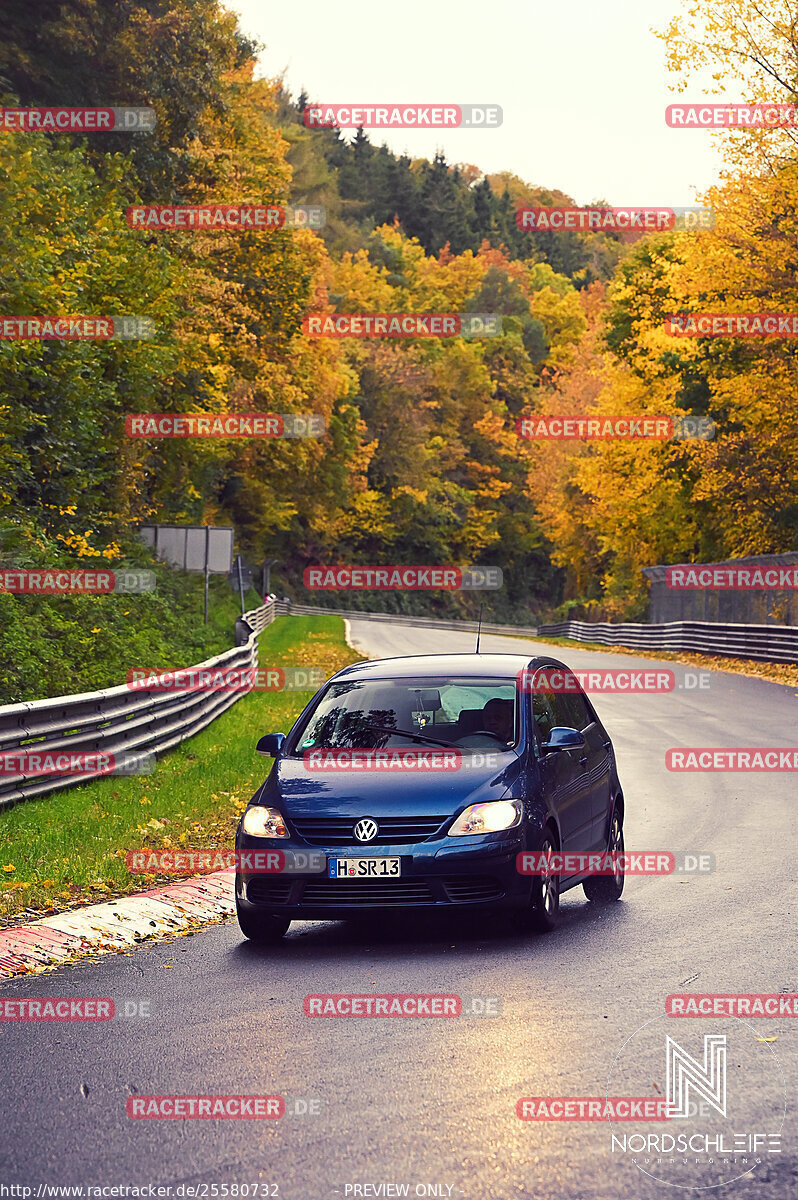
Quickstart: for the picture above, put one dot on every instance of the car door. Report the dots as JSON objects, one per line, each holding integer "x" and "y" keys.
{"x": 564, "y": 775}
{"x": 595, "y": 763}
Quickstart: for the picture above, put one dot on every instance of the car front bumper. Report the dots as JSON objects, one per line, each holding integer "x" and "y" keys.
{"x": 441, "y": 876}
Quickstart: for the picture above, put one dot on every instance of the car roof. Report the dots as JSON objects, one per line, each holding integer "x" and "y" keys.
{"x": 415, "y": 665}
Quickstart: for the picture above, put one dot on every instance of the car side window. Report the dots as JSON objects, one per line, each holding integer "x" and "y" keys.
{"x": 579, "y": 715}
{"x": 543, "y": 715}
{"x": 549, "y": 710}
{"x": 562, "y": 712}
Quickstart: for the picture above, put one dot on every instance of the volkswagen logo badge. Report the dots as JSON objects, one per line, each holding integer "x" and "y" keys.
{"x": 366, "y": 830}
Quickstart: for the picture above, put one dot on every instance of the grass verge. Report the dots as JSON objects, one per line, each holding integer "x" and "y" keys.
{"x": 68, "y": 849}
{"x": 54, "y": 645}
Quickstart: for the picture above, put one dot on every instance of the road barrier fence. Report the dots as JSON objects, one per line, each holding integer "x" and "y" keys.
{"x": 133, "y": 725}
{"x": 129, "y": 726}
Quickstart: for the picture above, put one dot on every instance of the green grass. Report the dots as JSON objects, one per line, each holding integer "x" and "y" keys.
{"x": 68, "y": 849}
{"x": 60, "y": 645}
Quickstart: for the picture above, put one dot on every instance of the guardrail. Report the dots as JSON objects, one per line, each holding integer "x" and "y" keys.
{"x": 282, "y": 608}
{"x": 128, "y": 723}
{"x": 762, "y": 643}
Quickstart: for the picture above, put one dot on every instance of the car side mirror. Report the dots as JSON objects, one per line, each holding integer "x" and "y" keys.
{"x": 561, "y": 737}
{"x": 270, "y": 744}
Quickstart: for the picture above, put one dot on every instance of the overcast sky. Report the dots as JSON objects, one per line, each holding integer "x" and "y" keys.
{"x": 582, "y": 84}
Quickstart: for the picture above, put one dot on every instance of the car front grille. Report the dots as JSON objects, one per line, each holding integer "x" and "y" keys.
{"x": 321, "y": 892}
{"x": 393, "y": 831}
{"x": 334, "y": 892}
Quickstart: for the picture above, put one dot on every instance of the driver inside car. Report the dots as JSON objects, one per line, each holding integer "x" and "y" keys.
{"x": 497, "y": 718}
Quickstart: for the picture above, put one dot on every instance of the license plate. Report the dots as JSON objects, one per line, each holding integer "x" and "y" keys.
{"x": 364, "y": 868}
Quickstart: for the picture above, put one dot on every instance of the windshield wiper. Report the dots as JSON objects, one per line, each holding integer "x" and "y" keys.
{"x": 419, "y": 737}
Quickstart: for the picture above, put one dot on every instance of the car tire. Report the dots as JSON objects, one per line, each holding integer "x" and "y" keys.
{"x": 261, "y": 929}
{"x": 545, "y": 909}
{"x": 606, "y": 889}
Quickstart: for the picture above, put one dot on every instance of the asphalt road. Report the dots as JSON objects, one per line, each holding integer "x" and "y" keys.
{"x": 433, "y": 1102}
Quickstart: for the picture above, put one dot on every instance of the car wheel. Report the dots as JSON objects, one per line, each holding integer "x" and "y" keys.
{"x": 261, "y": 929}
{"x": 604, "y": 889}
{"x": 545, "y": 894}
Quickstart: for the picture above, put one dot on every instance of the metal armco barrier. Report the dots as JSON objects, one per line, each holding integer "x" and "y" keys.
{"x": 763, "y": 643}
{"x": 119, "y": 720}
{"x": 123, "y": 720}
{"x": 308, "y": 610}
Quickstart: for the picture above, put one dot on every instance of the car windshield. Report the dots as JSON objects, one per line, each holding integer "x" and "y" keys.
{"x": 379, "y": 713}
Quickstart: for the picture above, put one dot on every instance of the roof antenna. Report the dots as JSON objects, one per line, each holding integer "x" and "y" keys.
{"x": 479, "y": 627}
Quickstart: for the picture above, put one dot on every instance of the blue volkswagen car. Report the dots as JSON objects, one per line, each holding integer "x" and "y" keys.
{"x": 412, "y": 784}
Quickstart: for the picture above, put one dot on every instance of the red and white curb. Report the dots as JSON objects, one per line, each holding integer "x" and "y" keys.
{"x": 115, "y": 925}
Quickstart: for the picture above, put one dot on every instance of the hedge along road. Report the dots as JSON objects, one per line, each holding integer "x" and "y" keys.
{"x": 426, "y": 1103}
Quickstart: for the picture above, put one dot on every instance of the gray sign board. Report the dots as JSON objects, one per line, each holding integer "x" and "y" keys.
{"x": 185, "y": 545}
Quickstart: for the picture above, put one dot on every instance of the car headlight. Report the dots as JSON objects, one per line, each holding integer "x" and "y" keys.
{"x": 260, "y": 821}
{"x": 489, "y": 817}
